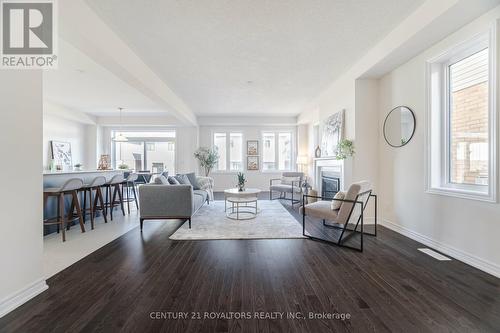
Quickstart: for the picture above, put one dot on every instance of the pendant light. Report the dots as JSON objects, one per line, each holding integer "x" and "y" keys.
{"x": 120, "y": 137}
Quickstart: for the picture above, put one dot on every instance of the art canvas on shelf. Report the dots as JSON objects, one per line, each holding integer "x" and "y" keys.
{"x": 61, "y": 153}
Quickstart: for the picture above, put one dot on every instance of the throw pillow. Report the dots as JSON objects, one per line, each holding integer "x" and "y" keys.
{"x": 183, "y": 179}
{"x": 162, "y": 180}
{"x": 165, "y": 174}
{"x": 173, "y": 180}
{"x": 193, "y": 180}
{"x": 335, "y": 203}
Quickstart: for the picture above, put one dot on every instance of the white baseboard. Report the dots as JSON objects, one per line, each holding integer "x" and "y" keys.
{"x": 11, "y": 302}
{"x": 484, "y": 265}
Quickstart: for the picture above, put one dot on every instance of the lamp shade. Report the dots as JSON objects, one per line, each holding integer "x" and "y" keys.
{"x": 302, "y": 160}
{"x": 120, "y": 138}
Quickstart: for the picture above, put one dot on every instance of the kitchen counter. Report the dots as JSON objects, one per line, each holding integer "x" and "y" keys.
{"x": 72, "y": 172}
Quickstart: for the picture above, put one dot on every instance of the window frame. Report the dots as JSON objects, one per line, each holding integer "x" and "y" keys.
{"x": 438, "y": 121}
{"x": 228, "y": 150}
{"x": 276, "y": 150}
{"x": 144, "y": 140}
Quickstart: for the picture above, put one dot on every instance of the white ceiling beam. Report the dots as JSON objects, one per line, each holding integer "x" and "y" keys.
{"x": 80, "y": 26}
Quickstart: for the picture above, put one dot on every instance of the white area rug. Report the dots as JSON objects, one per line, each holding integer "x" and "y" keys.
{"x": 210, "y": 222}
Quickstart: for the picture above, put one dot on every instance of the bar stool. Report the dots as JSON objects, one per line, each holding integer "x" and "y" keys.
{"x": 128, "y": 184}
{"x": 70, "y": 187}
{"x": 95, "y": 185}
{"x": 114, "y": 184}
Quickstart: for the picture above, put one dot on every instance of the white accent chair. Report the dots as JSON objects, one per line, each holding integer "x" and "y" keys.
{"x": 291, "y": 183}
{"x": 351, "y": 212}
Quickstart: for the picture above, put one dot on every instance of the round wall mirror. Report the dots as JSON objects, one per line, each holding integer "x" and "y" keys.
{"x": 399, "y": 126}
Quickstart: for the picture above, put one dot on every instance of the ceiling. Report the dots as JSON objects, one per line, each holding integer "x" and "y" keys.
{"x": 81, "y": 84}
{"x": 251, "y": 57}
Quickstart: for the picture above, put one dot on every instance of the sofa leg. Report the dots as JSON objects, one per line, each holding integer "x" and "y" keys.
{"x": 189, "y": 223}
{"x": 142, "y": 223}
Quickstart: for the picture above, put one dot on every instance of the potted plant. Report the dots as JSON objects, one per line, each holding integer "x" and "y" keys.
{"x": 123, "y": 166}
{"x": 208, "y": 158}
{"x": 241, "y": 181}
{"x": 78, "y": 167}
{"x": 345, "y": 149}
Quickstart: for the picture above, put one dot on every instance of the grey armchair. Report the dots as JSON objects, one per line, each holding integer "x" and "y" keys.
{"x": 290, "y": 182}
{"x": 164, "y": 202}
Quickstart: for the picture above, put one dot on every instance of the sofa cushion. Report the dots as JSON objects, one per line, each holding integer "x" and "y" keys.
{"x": 183, "y": 179}
{"x": 162, "y": 180}
{"x": 173, "y": 180}
{"x": 201, "y": 193}
{"x": 198, "y": 201}
{"x": 193, "y": 180}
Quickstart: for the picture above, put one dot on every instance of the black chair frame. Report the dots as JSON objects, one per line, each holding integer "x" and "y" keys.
{"x": 359, "y": 222}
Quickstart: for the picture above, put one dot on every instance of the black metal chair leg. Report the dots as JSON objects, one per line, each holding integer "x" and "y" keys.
{"x": 135, "y": 196}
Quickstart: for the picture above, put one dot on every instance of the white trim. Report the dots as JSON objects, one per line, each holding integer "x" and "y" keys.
{"x": 440, "y": 100}
{"x": 469, "y": 259}
{"x": 20, "y": 297}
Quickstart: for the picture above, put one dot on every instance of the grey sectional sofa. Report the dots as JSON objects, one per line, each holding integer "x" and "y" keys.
{"x": 164, "y": 202}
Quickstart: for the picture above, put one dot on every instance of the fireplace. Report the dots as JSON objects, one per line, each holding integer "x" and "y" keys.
{"x": 328, "y": 172}
{"x": 330, "y": 184}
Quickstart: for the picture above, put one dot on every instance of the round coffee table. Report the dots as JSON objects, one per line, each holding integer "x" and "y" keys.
{"x": 242, "y": 208}
{"x": 239, "y": 200}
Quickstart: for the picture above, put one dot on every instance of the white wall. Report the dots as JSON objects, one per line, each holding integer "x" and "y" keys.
{"x": 21, "y": 242}
{"x": 187, "y": 142}
{"x": 463, "y": 228}
{"x": 365, "y": 161}
{"x": 64, "y": 124}
{"x": 60, "y": 129}
{"x": 256, "y": 179}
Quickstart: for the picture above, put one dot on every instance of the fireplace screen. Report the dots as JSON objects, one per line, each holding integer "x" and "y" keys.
{"x": 330, "y": 185}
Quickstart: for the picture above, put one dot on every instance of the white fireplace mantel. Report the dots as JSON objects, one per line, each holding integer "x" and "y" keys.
{"x": 327, "y": 164}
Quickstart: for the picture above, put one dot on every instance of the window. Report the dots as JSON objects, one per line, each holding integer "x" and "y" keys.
{"x": 220, "y": 145}
{"x": 153, "y": 151}
{"x": 285, "y": 151}
{"x": 277, "y": 151}
{"x": 269, "y": 151}
{"x": 461, "y": 122}
{"x": 230, "y": 148}
{"x": 236, "y": 151}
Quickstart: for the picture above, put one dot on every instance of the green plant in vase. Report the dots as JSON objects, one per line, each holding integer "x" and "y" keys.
{"x": 241, "y": 181}
{"x": 123, "y": 166}
{"x": 208, "y": 158}
{"x": 345, "y": 149}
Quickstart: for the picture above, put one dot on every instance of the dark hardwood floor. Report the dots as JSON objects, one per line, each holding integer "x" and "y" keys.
{"x": 389, "y": 287}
